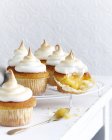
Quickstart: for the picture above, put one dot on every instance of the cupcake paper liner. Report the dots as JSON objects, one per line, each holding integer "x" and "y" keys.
{"x": 51, "y": 80}
{"x": 16, "y": 117}
{"x": 38, "y": 86}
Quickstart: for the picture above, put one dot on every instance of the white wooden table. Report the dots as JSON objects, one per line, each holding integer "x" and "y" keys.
{"x": 90, "y": 113}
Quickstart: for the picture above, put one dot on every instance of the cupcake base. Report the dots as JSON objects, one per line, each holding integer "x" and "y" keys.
{"x": 16, "y": 117}
{"x": 37, "y": 82}
{"x": 38, "y": 86}
{"x": 16, "y": 113}
{"x": 51, "y": 80}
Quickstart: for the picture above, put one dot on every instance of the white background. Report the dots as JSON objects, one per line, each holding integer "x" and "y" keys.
{"x": 82, "y": 25}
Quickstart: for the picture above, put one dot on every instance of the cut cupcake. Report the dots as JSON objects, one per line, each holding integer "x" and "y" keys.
{"x": 16, "y": 103}
{"x": 19, "y": 54}
{"x": 54, "y": 59}
{"x": 30, "y": 72}
{"x": 44, "y": 51}
{"x": 72, "y": 76}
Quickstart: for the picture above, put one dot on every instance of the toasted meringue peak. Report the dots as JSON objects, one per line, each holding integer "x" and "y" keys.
{"x": 30, "y": 64}
{"x": 45, "y": 44}
{"x": 12, "y": 91}
{"x": 12, "y": 82}
{"x": 71, "y": 65}
{"x": 12, "y": 77}
{"x": 30, "y": 52}
{"x": 30, "y": 56}
{"x": 70, "y": 55}
{"x": 44, "y": 41}
{"x": 44, "y": 51}
{"x": 57, "y": 56}
{"x": 57, "y": 47}
{"x": 58, "y": 50}
{"x": 22, "y": 46}
{"x": 19, "y": 54}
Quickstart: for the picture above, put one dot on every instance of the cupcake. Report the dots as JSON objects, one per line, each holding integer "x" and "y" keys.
{"x": 44, "y": 51}
{"x": 30, "y": 72}
{"x": 16, "y": 103}
{"x": 19, "y": 54}
{"x": 52, "y": 60}
{"x": 72, "y": 76}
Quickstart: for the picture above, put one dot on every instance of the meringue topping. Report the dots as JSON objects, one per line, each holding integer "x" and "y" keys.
{"x": 44, "y": 45}
{"x": 19, "y": 54}
{"x": 70, "y": 56}
{"x": 57, "y": 56}
{"x": 30, "y": 64}
{"x": 22, "y": 47}
{"x": 12, "y": 82}
{"x": 44, "y": 51}
{"x": 71, "y": 65}
{"x": 12, "y": 91}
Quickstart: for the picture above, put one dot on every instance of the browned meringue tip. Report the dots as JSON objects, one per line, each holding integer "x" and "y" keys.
{"x": 44, "y": 41}
{"x": 45, "y": 44}
{"x": 21, "y": 41}
{"x": 12, "y": 76}
{"x": 21, "y": 44}
{"x": 30, "y": 52}
{"x": 57, "y": 47}
{"x": 70, "y": 55}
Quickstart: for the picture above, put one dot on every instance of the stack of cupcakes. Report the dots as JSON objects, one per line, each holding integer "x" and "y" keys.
{"x": 50, "y": 65}
{"x": 30, "y": 74}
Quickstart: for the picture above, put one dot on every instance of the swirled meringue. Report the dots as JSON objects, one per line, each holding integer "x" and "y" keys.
{"x": 44, "y": 51}
{"x": 57, "y": 56}
{"x": 30, "y": 64}
{"x": 12, "y": 91}
{"x": 19, "y": 54}
{"x": 71, "y": 65}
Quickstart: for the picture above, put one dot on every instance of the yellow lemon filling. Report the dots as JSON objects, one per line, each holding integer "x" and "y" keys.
{"x": 62, "y": 113}
{"x": 75, "y": 81}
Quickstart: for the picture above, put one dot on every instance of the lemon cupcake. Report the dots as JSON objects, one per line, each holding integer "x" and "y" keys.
{"x": 44, "y": 51}
{"x": 52, "y": 60}
{"x": 72, "y": 76}
{"x": 19, "y": 54}
{"x": 16, "y": 103}
{"x": 30, "y": 72}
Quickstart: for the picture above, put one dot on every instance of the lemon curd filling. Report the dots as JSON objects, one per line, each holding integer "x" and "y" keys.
{"x": 63, "y": 113}
{"x": 74, "y": 82}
